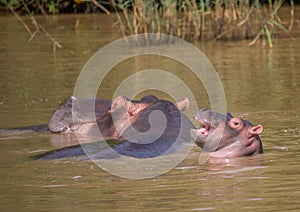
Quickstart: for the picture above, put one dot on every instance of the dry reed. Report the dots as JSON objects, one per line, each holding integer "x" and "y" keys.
{"x": 203, "y": 19}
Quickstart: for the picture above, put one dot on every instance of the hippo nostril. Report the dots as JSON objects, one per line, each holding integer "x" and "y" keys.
{"x": 203, "y": 109}
{"x": 206, "y": 121}
{"x": 211, "y": 113}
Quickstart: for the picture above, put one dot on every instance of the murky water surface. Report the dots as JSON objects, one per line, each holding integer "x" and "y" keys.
{"x": 261, "y": 85}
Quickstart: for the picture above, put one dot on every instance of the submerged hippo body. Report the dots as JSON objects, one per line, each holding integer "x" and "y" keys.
{"x": 148, "y": 128}
{"x": 225, "y": 136}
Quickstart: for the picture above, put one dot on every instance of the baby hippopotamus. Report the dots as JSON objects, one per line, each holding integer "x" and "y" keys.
{"x": 225, "y": 136}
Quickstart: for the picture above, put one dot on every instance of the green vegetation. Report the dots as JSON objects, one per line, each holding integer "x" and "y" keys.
{"x": 55, "y": 6}
{"x": 203, "y": 19}
{"x": 188, "y": 19}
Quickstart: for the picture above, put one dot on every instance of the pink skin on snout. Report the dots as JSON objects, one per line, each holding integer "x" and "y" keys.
{"x": 224, "y": 136}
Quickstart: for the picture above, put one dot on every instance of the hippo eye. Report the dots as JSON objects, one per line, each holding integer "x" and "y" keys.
{"x": 235, "y": 122}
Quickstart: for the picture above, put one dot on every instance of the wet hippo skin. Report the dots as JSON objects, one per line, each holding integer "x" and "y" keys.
{"x": 76, "y": 115}
{"x": 148, "y": 128}
{"x": 225, "y": 136}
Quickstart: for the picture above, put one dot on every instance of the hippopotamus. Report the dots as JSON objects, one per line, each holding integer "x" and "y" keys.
{"x": 77, "y": 115}
{"x": 225, "y": 136}
{"x": 147, "y": 128}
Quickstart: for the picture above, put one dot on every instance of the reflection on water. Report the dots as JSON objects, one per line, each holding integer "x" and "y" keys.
{"x": 261, "y": 85}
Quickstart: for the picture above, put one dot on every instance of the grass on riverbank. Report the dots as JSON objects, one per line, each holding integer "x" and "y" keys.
{"x": 191, "y": 20}
{"x": 204, "y": 19}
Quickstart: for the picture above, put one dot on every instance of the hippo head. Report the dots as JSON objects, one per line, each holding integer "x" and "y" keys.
{"x": 111, "y": 118}
{"x": 79, "y": 115}
{"x": 84, "y": 116}
{"x": 225, "y": 136}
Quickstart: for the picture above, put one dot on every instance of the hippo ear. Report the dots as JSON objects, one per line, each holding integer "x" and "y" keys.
{"x": 118, "y": 103}
{"x": 183, "y": 104}
{"x": 135, "y": 108}
{"x": 255, "y": 130}
{"x": 73, "y": 98}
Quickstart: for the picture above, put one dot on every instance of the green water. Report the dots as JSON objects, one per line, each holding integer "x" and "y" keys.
{"x": 261, "y": 85}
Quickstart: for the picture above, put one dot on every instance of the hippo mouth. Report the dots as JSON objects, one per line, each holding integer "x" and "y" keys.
{"x": 204, "y": 127}
{"x": 200, "y": 135}
{"x": 205, "y": 135}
